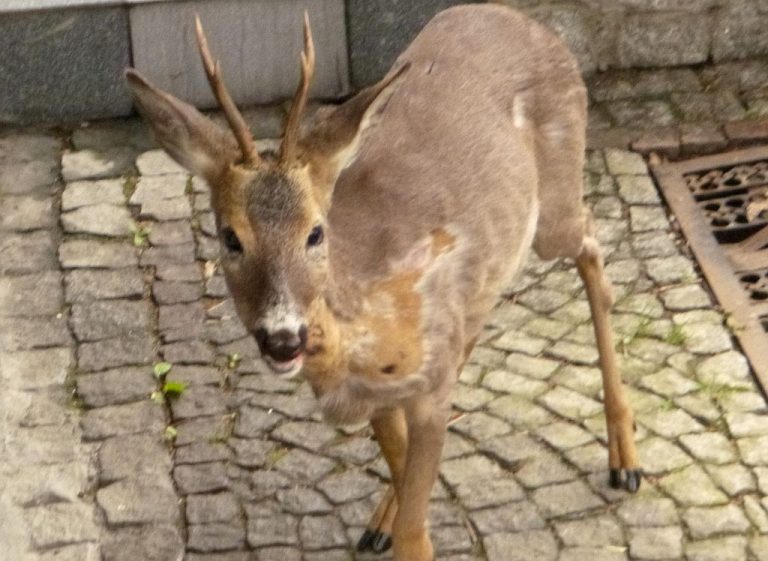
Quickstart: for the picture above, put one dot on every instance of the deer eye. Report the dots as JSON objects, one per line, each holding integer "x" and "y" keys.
{"x": 315, "y": 236}
{"x": 231, "y": 241}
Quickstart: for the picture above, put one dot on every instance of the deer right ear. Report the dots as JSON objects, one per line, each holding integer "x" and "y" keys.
{"x": 189, "y": 137}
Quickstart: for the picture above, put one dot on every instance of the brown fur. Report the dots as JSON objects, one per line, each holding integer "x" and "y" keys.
{"x": 432, "y": 186}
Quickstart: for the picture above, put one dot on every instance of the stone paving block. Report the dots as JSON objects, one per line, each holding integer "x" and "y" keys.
{"x": 753, "y": 450}
{"x": 480, "y": 426}
{"x": 96, "y": 254}
{"x": 38, "y": 294}
{"x": 719, "y": 549}
{"x": 62, "y": 524}
{"x": 143, "y": 417}
{"x": 543, "y": 469}
{"x": 639, "y": 114}
{"x": 660, "y": 456}
{"x": 592, "y": 553}
{"x": 538, "y": 545}
{"x": 520, "y": 412}
{"x": 200, "y": 478}
{"x": 133, "y": 456}
{"x": 130, "y": 133}
{"x": 96, "y": 164}
{"x": 85, "y": 285}
{"x": 206, "y": 509}
{"x": 157, "y": 162}
{"x": 734, "y": 479}
{"x": 302, "y": 466}
{"x": 565, "y": 498}
{"x": 656, "y": 543}
{"x": 30, "y": 177}
{"x": 24, "y": 213}
{"x": 643, "y": 219}
{"x": 670, "y": 424}
{"x": 700, "y": 107}
{"x": 648, "y": 511}
{"x": 507, "y": 382}
{"x": 85, "y": 193}
{"x": 310, "y": 435}
{"x": 126, "y": 501}
{"x": 35, "y": 369}
{"x": 203, "y": 452}
{"x": 692, "y": 487}
{"x": 199, "y": 376}
{"x": 482, "y": 493}
{"x": 637, "y": 190}
{"x": 100, "y": 320}
{"x": 115, "y": 352}
{"x": 159, "y": 541}
{"x": 570, "y": 404}
{"x": 170, "y": 292}
{"x": 746, "y": 131}
{"x": 188, "y": 352}
{"x": 203, "y": 429}
{"x": 27, "y": 252}
{"x": 594, "y": 532}
{"x": 78, "y": 552}
{"x": 42, "y": 485}
{"x": 709, "y": 447}
{"x": 99, "y": 219}
{"x": 706, "y": 338}
{"x": 707, "y": 522}
{"x": 280, "y": 529}
{"x": 177, "y": 208}
{"x": 348, "y": 486}
{"x": 684, "y": 298}
{"x": 186, "y": 272}
{"x": 746, "y": 424}
{"x": 216, "y": 536}
{"x": 170, "y": 233}
{"x": 168, "y": 254}
{"x": 321, "y": 532}
{"x": 117, "y": 386}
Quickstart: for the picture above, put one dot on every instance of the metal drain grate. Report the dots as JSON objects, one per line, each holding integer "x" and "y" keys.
{"x": 721, "y": 203}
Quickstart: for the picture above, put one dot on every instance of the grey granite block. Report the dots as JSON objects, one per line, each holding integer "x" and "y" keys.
{"x": 63, "y": 65}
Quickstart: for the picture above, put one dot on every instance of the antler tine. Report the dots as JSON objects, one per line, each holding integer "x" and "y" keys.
{"x": 291, "y": 136}
{"x": 233, "y": 116}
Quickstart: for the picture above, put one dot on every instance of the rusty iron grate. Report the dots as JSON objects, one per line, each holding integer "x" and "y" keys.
{"x": 721, "y": 203}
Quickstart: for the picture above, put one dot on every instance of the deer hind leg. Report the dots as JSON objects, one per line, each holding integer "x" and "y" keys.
{"x": 391, "y": 433}
{"x": 622, "y": 455}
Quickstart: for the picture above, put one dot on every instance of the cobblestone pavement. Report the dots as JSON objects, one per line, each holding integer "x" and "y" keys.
{"x": 108, "y": 270}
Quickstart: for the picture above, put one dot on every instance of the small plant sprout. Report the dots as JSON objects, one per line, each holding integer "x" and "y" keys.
{"x": 170, "y": 433}
{"x": 675, "y": 336}
{"x": 233, "y": 360}
{"x": 140, "y": 234}
{"x": 161, "y": 369}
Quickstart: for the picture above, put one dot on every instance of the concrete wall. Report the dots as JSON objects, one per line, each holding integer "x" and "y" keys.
{"x": 63, "y": 59}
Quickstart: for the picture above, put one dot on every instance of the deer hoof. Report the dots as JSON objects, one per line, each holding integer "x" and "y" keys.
{"x": 366, "y": 540}
{"x": 634, "y": 477}
{"x": 381, "y": 543}
{"x": 631, "y": 483}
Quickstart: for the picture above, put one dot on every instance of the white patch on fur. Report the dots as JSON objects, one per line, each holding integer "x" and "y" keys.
{"x": 282, "y": 316}
{"x": 519, "y": 118}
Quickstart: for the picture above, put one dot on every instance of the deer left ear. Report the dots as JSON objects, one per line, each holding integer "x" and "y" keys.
{"x": 334, "y": 142}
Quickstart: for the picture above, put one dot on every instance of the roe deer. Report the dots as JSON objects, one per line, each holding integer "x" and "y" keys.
{"x": 366, "y": 253}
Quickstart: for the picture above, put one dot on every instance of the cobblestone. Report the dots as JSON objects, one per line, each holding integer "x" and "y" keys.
{"x": 260, "y": 475}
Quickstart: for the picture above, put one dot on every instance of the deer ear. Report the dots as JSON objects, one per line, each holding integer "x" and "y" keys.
{"x": 189, "y": 137}
{"x": 334, "y": 142}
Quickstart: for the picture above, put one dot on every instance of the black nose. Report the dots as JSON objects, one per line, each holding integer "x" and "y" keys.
{"x": 282, "y": 345}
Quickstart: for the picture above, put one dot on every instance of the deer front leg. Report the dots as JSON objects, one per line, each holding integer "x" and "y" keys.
{"x": 619, "y": 418}
{"x": 391, "y": 434}
{"x": 426, "y": 423}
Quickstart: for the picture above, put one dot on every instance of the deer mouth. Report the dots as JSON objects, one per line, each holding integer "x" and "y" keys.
{"x": 285, "y": 368}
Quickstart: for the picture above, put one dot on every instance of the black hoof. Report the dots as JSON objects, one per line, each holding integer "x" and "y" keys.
{"x": 366, "y": 540}
{"x": 614, "y": 478}
{"x": 381, "y": 543}
{"x": 634, "y": 477}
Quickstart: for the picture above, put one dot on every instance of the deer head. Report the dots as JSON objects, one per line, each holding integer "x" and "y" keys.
{"x": 271, "y": 209}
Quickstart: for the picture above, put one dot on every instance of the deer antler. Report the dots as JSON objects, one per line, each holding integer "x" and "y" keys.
{"x": 234, "y": 118}
{"x": 291, "y": 136}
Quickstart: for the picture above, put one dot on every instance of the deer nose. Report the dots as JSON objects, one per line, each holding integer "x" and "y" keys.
{"x": 282, "y": 345}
